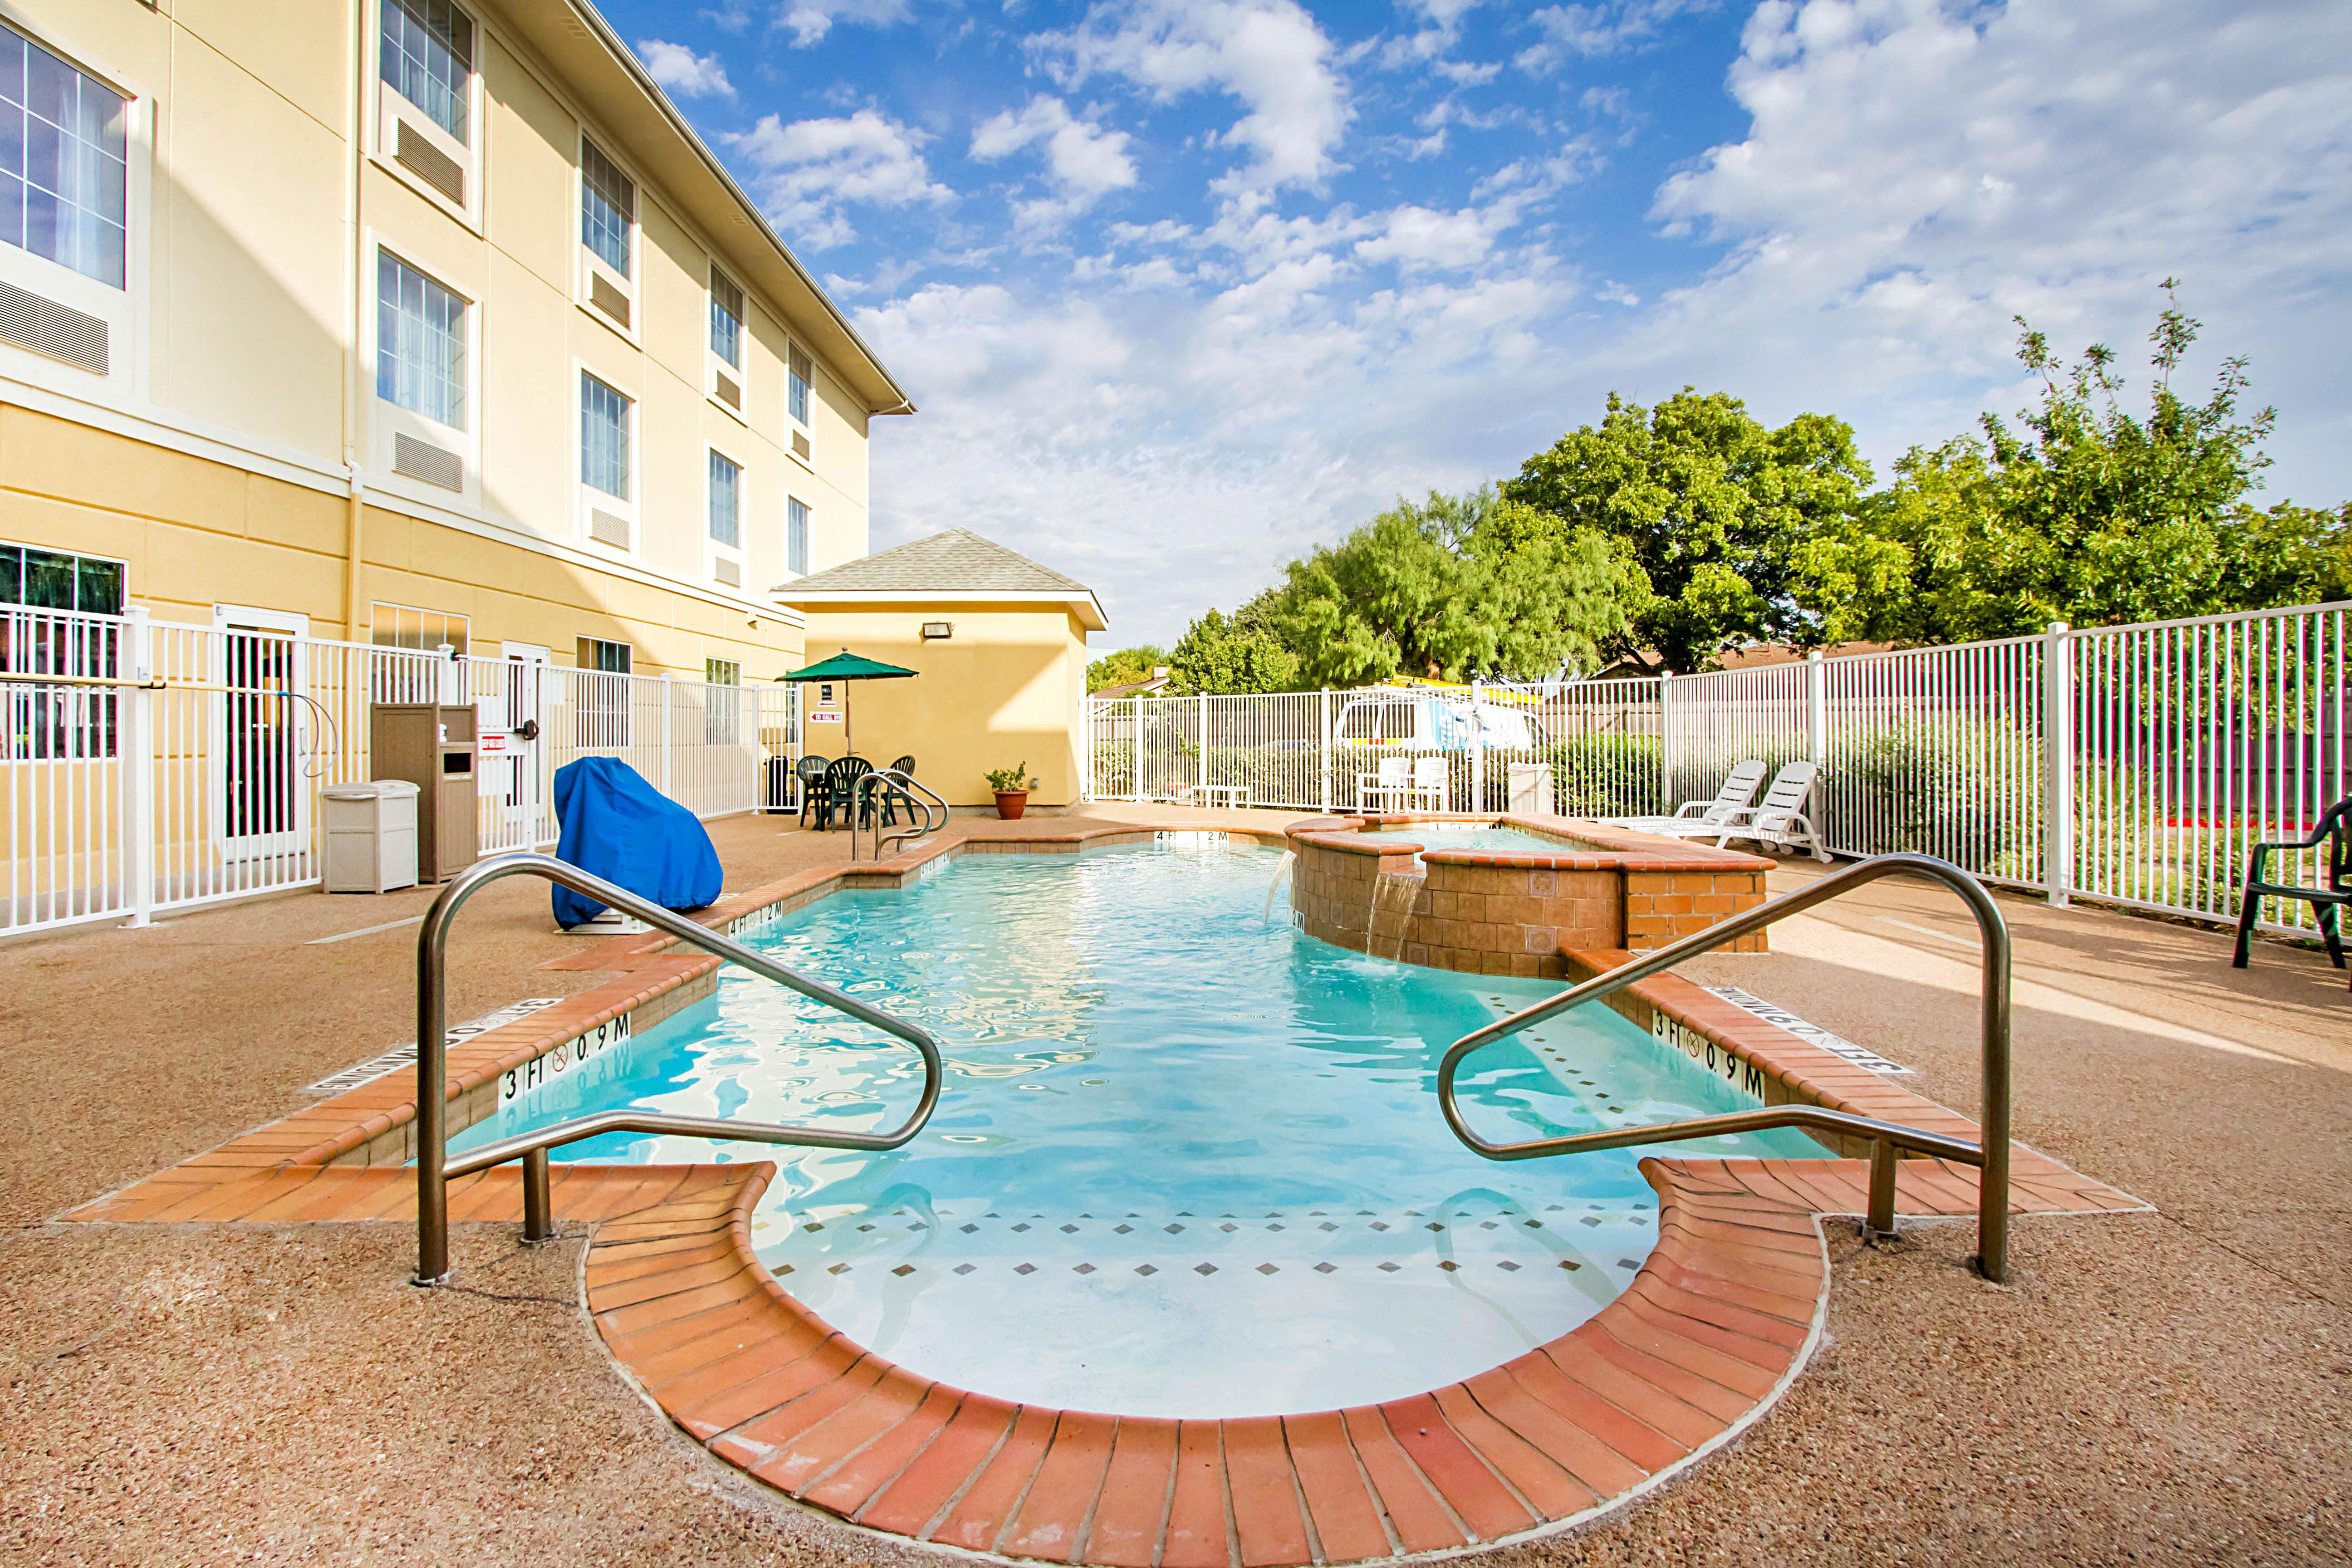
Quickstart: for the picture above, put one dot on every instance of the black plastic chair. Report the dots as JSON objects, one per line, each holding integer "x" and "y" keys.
{"x": 841, "y": 778}
{"x": 811, "y": 773}
{"x": 2334, "y": 892}
{"x": 893, "y": 796}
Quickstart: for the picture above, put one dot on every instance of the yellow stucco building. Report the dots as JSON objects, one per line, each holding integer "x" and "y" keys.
{"x": 414, "y": 321}
{"x": 999, "y": 646}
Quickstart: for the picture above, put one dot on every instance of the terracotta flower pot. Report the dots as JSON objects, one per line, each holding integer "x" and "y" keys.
{"x": 1011, "y": 803}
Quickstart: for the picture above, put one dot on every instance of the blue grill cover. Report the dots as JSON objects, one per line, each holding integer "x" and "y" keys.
{"x": 619, "y": 827}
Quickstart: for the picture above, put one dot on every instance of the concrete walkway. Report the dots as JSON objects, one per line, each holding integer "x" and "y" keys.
{"x": 2166, "y": 1387}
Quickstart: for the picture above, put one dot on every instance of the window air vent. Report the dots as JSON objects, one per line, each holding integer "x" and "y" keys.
{"x": 423, "y": 461}
{"x": 607, "y": 299}
{"x": 45, "y": 327}
{"x": 800, "y": 445}
{"x": 728, "y": 572}
{"x": 612, "y": 530}
{"x": 430, "y": 164}
{"x": 730, "y": 394}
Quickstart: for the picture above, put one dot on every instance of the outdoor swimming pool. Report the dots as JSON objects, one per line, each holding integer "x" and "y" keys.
{"x": 1187, "y": 1161}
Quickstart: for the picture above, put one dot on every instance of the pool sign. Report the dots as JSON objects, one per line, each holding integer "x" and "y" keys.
{"x": 1718, "y": 1059}
{"x": 536, "y": 1074}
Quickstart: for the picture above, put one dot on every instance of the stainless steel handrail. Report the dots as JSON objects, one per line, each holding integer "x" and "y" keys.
{"x": 434, "y": 1168}
{"x": 1991, "y": 1154}
{"x": 868, "y": 782}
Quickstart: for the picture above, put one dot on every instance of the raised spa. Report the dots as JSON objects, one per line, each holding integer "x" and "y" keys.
{"x": 1188, "y": 1160}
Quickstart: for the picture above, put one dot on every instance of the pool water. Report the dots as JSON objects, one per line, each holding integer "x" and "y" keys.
{"x": 1186, "y": 1161}
{"x": 1474, "y": 836}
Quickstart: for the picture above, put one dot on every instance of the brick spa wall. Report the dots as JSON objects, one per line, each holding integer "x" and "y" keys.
{"x": 1518, "y": 912}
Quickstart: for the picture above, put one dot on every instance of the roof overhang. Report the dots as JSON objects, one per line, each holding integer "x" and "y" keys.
{"x": 577, "y": 43}
{"x": 1080, "y": 603}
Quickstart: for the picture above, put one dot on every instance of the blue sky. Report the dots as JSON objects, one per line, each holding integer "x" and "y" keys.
{"x": 1184, "y": 287}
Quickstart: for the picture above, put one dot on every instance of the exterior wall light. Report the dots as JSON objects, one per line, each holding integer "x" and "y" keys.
{"x": 938, "y": 631}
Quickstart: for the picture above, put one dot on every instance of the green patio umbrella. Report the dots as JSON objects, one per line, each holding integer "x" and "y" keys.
{"x": 846, "y": 667}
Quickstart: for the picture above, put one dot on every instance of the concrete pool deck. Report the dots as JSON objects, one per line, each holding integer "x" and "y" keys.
{"x": 2173, "y": 1384}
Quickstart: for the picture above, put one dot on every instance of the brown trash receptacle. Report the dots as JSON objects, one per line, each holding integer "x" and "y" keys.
{"x": 432, "y": 745}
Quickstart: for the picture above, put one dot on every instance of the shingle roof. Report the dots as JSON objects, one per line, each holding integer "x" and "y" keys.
{"x": 958, "y": 561}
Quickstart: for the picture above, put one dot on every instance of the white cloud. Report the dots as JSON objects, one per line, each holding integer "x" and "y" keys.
{"x": 1417, "y": 239}
{"x": 1915, "y": 176}
{"x": 809, "y": 21}
{"x": 1084, "y": 161}
{"x": 1268, "y": 53}
{"x": 1199, "y": 397}
{"x": 683, "y": 72}
{"x": 1604, "y": 27}
{"x": 811, "y": 170}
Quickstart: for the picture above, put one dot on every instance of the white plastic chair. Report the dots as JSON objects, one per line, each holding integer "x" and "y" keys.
{"x": 1780, "y": 819}
{"x": 1431, "y": 779}
{"x": 1382, "y": 790}
{"x": 1702, "y": 819}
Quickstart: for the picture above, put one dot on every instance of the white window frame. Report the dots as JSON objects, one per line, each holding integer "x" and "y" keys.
{"x": 588, "y": 266}
{"x": 388, "y": 420}
{"x": 713, "y": 365}
{"x": 808, "y": 542}
{"x": 125, "y": 310}
{"x": 391, "y": 110}
{"x": 587, "y": 497}
{"x": 713, "y": 552}
{"x": 806, "y": 427}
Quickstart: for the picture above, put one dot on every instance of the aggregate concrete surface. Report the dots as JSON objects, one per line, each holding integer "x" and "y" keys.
{"x": 2171, "y": 1387}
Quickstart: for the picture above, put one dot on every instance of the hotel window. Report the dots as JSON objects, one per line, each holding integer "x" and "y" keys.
{"x": 59, "y": 580}
{"x": 423, "y": 631}
{"x": 47, "y": 722}
{"x": 725, "y": 502}
{"x": 64, "y": 162}
{"x": 420, "y": 356}
{"x": 608, "y": 200}
{"x": 797, "y": 373}
{"x": 416, "y": 672}
{"x": 726, "y": 318}
{"x": 428, "y": 59}
{"x": 796, "y": 519}
{"x": 604, "y": 437}
{"x": 602, "y": 716}
{"x": 606, "y": 658}
{"x": 721, "y": 714}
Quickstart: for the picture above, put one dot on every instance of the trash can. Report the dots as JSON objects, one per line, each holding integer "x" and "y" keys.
{"x": 1531, "y": 789}
{"x": 371, "y": 831}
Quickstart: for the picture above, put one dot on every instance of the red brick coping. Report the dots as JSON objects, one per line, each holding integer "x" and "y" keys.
{"x": 1718, "y": 1321}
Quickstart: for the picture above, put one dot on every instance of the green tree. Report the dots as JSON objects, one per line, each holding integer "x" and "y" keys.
{"x": 1123, "y": 666}
{"x": 2082, "y": 513}
{"x": 1712, "y": 508}
{"x": 1223, "y": 656}
{"x": 1452, "y": 587}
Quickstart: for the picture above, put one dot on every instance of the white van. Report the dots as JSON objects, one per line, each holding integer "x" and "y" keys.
{"x": 1433, "y": 721}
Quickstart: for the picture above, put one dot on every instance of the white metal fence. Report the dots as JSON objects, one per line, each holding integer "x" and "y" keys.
{"x": 126, "y": 798}
{"x": 2133, "y": 765}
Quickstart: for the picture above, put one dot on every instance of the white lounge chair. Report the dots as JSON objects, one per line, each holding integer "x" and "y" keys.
{"x": 1701, "y": 818}
{"x": 1387, "y": 789}
{"x": 1780, "y": 819}
{"x": 1431, "y": 779}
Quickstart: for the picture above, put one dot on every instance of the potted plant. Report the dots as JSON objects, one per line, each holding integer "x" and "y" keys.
{"x": 1012, "y": 785}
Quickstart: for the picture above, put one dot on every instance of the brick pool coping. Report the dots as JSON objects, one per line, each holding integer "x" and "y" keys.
{"x": 1717, "y": 1323}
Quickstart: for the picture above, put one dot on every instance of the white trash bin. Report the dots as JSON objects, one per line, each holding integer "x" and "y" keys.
{"x": 1531, "y": 789}
{"x": 370, "y": 832}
